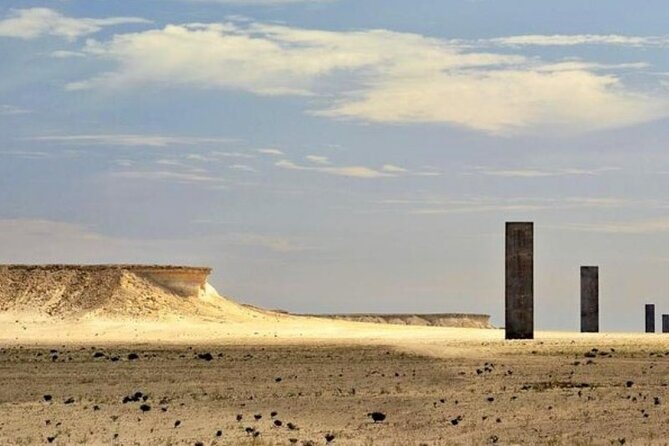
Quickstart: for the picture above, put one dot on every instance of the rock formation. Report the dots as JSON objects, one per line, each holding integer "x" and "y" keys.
{"x": 141, "y": 291}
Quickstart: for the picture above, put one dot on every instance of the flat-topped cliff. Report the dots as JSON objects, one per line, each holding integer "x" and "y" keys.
{"x": 187, "y": 281}
{"x": 464, "y": 320}
{"x": 141, "y": 291}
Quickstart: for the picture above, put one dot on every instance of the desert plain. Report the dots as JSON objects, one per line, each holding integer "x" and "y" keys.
{"x": 145, "y": 367}
{"x": 436, "y": 386}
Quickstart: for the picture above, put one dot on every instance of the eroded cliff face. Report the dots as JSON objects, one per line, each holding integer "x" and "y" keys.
{"x": 187, "y": 281}
{"x": 182, "y": 280}
{"x": 134, "y": 290}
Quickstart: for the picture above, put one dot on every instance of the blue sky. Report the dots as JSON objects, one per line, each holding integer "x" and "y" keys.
{"x": 344, "y": 156}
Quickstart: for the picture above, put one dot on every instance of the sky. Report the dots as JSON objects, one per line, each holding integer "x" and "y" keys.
{"x": 344, "y": 155}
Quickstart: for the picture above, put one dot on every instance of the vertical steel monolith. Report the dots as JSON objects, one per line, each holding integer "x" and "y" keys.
{"x": 650, "y": 318}
{"x": 589, "y": 299}
{"x": 519, "y": 286}
{"x": 665, "y": 323}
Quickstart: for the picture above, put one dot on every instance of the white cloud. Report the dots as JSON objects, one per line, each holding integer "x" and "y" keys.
{"x": 242, "y": 167}
{"x": 539, "y": 173}
{"x": 33, "y": 23}
{"x": 506, "y": 101}
{"x": 390, "y": 77}
{"x": 129, "y": 139}
{"x": 345, "y": 171}
{"x": 391, "y": 168}
{"x": 316, "y": 159}
{"x": 28, "y": 154}
{"x": 188, "y": 177}
{"x": 273, "y": 152}
{"x": 64, "y": 54}
{"x": 581, "y": 39}
{"x": 8, "y": 110}
{"x": 219, "y": 154}
{"x": 196, "y": 157}
{"x": 169, "y": 162}
{"x": 323, "y": 165}
{"x": 354, "y": 171}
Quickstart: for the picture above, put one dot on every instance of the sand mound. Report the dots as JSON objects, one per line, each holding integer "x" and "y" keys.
{"x": 112, "y": 292}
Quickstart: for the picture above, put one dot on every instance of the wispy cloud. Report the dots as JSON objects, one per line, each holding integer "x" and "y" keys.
{"x": 540, "y": 173}
{"x": 169, "y": 175}
{"x": 655, "y": 226}
{"x": 272, "y": 152}
{"x": 65, "y": 54}
{"x": 390, "y": 77}
{"x": 244, "y": 155}
{"x": 242, "y": 167}
{"x": 30, "y": 154}
{"x": 469, "y": 205}
{"x": 8, "y": 110}
{"x": 317, "y": 159}
{"x": 129, "y": 139}
{"x": 580, "y": 39}
{"x": 33, "y": 23}
{"x": 345, "y": 171}
{"x": 391, "y": 168}
{"x": 324, "y": 165}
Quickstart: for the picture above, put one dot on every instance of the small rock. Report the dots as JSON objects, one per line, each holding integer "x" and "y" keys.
{"x": 377, "y": 417}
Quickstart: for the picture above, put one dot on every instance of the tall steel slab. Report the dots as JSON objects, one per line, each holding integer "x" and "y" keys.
{"x": 519, "y": 292}
{"x": 589, "y": 299}
{"x": 650, "y": 318}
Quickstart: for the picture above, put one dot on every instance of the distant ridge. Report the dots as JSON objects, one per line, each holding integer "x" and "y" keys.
{"x": 464, "y": 320}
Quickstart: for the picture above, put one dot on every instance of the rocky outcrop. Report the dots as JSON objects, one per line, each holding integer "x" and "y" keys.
{"x": 185, "y": 281}
{"x": 135, "y": 290}
{"x": 432, "y": 320}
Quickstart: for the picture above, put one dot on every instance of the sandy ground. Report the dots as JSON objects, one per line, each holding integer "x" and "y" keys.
{"x": 437, "y": 386}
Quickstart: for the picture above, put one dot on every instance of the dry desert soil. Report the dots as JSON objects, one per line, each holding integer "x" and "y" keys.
{"x": 559, "y": 390}
{"x": 106, "y": 355}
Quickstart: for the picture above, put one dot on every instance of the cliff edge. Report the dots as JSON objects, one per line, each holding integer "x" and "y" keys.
{"x": 136, "y": 291}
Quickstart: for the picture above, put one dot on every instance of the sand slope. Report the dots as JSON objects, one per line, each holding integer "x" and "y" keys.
{"x": 111, "y": 293}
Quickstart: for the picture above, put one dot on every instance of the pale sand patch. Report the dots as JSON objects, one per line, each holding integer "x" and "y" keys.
{"x": 280, "y": 329}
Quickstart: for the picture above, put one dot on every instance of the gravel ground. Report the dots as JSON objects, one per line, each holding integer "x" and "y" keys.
{"x": 553, "y": 392}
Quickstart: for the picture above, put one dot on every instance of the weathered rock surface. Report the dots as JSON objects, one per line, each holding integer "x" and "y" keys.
{"x": 110, "y": 290}
{"x": 464, "y": 320}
